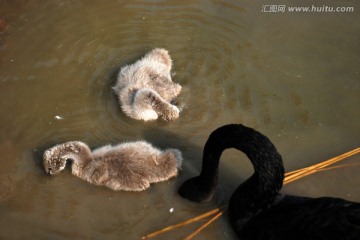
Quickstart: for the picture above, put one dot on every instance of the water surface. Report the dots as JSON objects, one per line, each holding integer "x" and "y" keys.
{"x": 294, "y": 77}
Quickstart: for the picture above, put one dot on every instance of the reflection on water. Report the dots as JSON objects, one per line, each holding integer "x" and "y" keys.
{"x": 295, "y": 77}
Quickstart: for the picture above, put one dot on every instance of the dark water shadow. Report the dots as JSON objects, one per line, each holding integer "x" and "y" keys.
{"x": 37, "y": 154}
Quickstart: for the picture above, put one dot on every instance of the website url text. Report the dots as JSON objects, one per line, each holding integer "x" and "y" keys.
{"x": 307, "y": 9}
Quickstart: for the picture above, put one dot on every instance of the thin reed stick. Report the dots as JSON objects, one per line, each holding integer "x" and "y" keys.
{"x": 203, "y": 226}
{"x": 340, "y": 166}
{"x": 295, "y": 175}
{"x": 169, "y": 228}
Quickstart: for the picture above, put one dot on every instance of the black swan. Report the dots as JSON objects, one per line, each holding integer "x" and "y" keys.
{"x": 145, "y": 88}
{"x": 129, "y": 166}
{"x": 256, "y": 209}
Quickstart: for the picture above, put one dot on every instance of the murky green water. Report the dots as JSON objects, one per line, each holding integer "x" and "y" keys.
{"x": 295, "y": 77}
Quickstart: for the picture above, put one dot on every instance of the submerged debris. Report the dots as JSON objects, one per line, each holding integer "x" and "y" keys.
{"x": 3, "y": 26}
{"x": 58, "y": 117}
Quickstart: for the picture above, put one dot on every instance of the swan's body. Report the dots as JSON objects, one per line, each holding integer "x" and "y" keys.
{"x": 145, "y": 89}
{"x": 256, "y": 209}
{"x": 128, "y": 166}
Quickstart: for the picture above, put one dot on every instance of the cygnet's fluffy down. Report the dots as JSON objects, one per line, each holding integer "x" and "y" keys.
{"x": 145, "y": 89}
{"x": 130, "y": 166}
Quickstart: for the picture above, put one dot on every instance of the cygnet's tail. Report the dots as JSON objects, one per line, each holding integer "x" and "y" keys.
{"x": 179, "y": 157}
{"x": 171, "y": 156}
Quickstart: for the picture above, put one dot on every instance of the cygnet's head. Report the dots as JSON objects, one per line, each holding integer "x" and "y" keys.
{"x": 54, "y": 162}
{"x": 55, "y": 158}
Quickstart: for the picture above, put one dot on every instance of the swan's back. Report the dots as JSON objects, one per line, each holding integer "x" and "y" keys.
{"x": 136, "y": 154}
{"x": 132, "y": 166}
{"x": 305, "y": 218}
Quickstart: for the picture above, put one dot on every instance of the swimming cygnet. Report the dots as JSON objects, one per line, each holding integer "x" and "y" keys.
{"x": 145, "y": 89}
{"x": 130, "y": 166}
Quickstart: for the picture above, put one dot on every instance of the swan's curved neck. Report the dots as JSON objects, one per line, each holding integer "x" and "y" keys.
{"x": 263, "y": 186}
{"x": 80, "y": 155}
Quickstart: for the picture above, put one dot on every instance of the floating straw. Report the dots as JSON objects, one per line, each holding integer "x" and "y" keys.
{"x": 197, "y": 218}
{"x": 295, "y": 175}
{"x": 289, "y": 177}
{"x": 203, "y": 226}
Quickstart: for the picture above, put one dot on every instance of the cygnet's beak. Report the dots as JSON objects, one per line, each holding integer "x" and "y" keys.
{"x": 48, "y": 170}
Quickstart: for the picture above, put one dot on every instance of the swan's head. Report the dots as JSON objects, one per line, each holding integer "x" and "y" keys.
{"x": 54, "y": 161}
{"x": 197, "y": 189}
